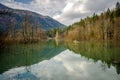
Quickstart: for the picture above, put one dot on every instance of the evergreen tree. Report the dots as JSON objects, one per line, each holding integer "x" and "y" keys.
{"x": 117, "y": 9}
{"x": 108, "y": 13}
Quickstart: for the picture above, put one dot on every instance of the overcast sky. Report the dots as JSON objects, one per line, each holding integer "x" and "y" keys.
{"x": 65, "y": 11}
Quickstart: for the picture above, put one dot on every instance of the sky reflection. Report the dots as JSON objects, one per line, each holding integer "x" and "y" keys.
{"x": 64, "y": 66}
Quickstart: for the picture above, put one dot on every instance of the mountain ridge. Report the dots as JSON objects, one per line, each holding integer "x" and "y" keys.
{"x": 46, "y": 22}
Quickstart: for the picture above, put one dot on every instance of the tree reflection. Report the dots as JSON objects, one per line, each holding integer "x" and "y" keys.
{"x": 27, "y": 54}
{"x": 108, "y": 53}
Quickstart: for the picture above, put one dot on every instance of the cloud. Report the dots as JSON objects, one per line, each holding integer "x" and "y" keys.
{"x": 65, "y": 11}
{"x": 14, "y": 4}
{"x": 77, "y": 9}
{"x": 48, "y": 7}
{"x": 44, "y": 7}
{"x": 72, "y": 12}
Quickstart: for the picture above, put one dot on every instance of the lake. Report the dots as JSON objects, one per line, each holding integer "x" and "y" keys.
{"x": 60, "y": 61}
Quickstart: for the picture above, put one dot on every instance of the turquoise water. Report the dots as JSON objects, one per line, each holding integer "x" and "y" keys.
{"x": 61, "y": 61}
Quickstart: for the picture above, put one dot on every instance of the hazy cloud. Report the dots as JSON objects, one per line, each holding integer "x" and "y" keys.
{"x": 65, "y": 11}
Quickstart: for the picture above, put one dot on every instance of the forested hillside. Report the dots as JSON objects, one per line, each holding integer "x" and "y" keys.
{"x": 24, "y": 26}
{"x": 103, "y": 27}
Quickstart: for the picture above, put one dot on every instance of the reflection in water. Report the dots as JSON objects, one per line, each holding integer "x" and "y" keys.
{"x": 25, "y": 55}
{"x": 56, "y": 42}
{"x": 49, "y": 61}
{"x": 64, "y": 66}
{"x": 108, "y": 53}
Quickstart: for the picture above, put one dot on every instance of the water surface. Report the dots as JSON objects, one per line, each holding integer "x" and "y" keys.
{"x": 50, "y": 61}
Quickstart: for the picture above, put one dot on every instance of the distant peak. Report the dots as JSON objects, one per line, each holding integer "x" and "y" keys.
{"x": 2, "y": 6}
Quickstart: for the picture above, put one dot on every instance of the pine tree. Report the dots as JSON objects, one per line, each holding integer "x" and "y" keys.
{"x": 117, "y": 9}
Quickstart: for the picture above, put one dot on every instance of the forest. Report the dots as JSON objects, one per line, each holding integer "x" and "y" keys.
{"x": 98, "y": 27}
{"x": 102, "y": 27}
{"x": 28, "y": 33}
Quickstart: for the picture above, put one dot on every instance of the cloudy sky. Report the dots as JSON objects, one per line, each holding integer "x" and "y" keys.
{"x": 65, "y": 11}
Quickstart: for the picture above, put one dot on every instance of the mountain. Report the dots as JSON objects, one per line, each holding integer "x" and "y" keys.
{"x": 9, "y": 15}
